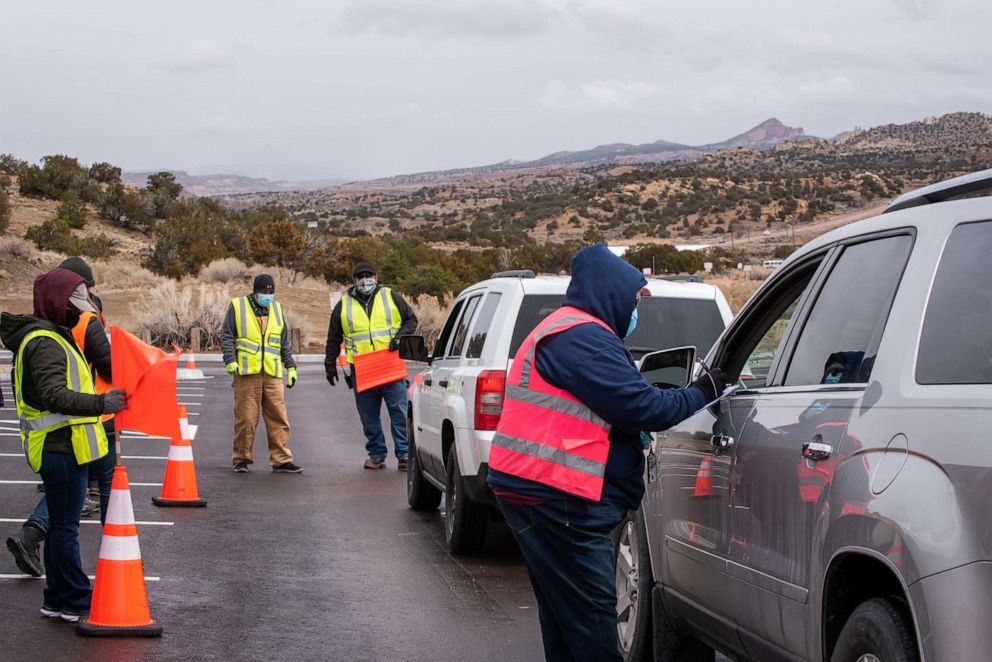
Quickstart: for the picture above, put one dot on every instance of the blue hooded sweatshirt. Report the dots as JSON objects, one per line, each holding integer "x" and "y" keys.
{"x": 594, "y": 365}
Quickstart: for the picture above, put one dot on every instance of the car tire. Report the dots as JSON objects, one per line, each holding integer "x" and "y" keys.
{"x": 465, "y": 523}
{"x": 420, "y": 494}
{"x": 876, "y": 630}
{"x": 633, "y": 583}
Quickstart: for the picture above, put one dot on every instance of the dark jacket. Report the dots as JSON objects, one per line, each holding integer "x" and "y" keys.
{"x": 594, "y": 365}
{"x": 229, "y": 331}
{"x": 335, "y": 332}
{"x": 45, "y": 368}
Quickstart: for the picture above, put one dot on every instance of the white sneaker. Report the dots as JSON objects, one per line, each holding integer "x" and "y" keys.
{"x": 48, "y": 612}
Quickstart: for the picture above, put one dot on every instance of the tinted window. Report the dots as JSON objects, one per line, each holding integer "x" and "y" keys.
{"x": 956, "y": 345}
{"x": 463, "y": 324}
{"x": 533, "y": 309}
{"x": 481, "y": 329}
{"x": 841, "y": 334}
{"x": 449, "y": 324}
{"x": 663, "y": 323}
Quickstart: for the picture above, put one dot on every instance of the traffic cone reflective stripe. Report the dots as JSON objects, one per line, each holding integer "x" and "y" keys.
{"x": 119, "y": 606}
{"x": 704, "y": 479}
{"x": 179, "y": 482}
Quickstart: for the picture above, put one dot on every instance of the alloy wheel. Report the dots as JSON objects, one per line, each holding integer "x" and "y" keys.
{"x": 626, "y": 583}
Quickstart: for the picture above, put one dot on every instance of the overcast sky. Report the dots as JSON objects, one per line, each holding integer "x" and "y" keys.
{"x": 370, "y": 88}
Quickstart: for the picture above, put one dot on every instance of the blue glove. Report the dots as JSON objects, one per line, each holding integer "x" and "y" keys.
{"x": 645, "y": 440}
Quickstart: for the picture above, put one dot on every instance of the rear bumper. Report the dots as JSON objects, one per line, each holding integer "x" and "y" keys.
{"x": 953, "y": 611}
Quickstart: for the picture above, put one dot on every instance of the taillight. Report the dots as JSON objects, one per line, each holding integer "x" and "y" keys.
{"x": 489, "y": 398}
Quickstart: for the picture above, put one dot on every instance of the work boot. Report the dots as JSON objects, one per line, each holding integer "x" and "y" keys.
{"x": 287, "y": 468}
{"x": 403, "y": 463}
{"x": 241, "y": 468}
{"x": 24, "y": 546}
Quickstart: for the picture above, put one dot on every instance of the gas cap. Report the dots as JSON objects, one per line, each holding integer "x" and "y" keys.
{"x": 891, "y": 463}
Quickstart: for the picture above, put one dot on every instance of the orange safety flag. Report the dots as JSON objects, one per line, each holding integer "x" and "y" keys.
{"x": 148, "y": 376}
{"x": 382, "y": 366}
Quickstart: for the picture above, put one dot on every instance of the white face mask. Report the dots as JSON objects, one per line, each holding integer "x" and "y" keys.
{"x": 365, "y": 285}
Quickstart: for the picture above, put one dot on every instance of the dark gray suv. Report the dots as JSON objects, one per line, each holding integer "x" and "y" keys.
{"x": 838, "y": 506}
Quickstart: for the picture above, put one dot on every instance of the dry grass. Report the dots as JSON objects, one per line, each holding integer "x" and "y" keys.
{"x": 168, "y": 312}
{"x": 121, "y": 273}
{"x": 737, "y": 286}
{"x": 430, "y": 317}
{"x": 228, "y": 270}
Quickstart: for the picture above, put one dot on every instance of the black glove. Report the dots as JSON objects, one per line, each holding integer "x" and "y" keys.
{"x": 394, "y": 344}
{"x": 349, "y": 378}
{"x": 712, "y": 383}
{"x": 332, "y": 375}
{"x": 114, "y": 401}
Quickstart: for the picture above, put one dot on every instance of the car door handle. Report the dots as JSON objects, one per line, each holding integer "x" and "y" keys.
{"x": 721, "y": 441}
{"x": 428, "y": 381}
{"x": 816, "y": 451}
{"x": 443, "y": 383}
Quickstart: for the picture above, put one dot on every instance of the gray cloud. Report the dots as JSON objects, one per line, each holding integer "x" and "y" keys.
{"x": 451, "y": 19}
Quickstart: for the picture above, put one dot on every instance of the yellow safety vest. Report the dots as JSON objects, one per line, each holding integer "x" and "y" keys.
{"x": 366, "y": 334}
{"x": 89, "y": 441}
{"x": 253, "y": 352}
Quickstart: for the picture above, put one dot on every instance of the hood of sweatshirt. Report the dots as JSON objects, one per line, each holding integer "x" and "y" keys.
{"x": 52, "y": 291}
{"x": 604, "y": 285}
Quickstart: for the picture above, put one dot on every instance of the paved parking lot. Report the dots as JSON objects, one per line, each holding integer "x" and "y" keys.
{"x": 327, "y": 565}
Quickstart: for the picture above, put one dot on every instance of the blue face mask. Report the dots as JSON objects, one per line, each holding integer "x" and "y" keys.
{"x": 633, "y": 323}
{"x": 265, "y": 300}
{"x": 832, "y": 378}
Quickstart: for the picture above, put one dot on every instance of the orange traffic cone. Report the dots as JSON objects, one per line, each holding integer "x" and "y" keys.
{"x": 704, "y": 479}
{"x": 119, "y": 607}
{"x": 191, "y": 360}
{"x": 179, "y": 483}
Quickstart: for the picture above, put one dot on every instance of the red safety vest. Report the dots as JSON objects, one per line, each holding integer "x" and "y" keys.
{"x": 546, "y": 434}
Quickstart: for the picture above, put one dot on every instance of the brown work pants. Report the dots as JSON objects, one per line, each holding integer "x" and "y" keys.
{"x": 251, "y": 393}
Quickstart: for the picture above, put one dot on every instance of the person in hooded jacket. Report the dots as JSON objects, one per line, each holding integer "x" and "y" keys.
{"x": 91, "y": 338}
{"x": 567, "y": 459}
{"x": 61, "y": 432}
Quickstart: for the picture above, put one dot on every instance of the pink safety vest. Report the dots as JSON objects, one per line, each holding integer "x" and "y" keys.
{"x": 546, "y": 434}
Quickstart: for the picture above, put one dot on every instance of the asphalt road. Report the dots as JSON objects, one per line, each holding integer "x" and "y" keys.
{"x": 326, "y": 565}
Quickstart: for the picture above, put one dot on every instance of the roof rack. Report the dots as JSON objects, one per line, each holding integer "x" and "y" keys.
{"x": 971, "y": 185}
{"x": 514, "y": 273}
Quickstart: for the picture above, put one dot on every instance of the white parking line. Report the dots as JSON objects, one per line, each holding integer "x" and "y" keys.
{"x": 92, "y": 577}
{"x": 93, "y": 521}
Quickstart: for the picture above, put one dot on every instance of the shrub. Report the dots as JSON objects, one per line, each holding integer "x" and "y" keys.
{"x": 17, "y": 248}
{"x": 226, "y": 270}
{"x": 55, "y": 235}
{"x": 4, "y": 210}
{"x": 168, "y": 312}
{"x": 57, "y": 175}
{"x": 72, "y": 210}
{"x": 10, "y": 164}
{"x": 123, "y": 273}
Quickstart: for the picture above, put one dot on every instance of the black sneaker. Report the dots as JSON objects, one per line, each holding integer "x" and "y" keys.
{"x": 403, "y": 463}
{"x": 73, "y": 616}
{"x": 375, "y": 463}
{"x": 287, "y": 468}
{"x": 91, "y": 506}
{"x": 241, "y": 468}
{"x": 40, "y": 487}
{"x": 50, "y": 612}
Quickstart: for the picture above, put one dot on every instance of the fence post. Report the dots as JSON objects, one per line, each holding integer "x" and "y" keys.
{"x": 194, "y": 339}
{"x": 146, "y": 336}
{"x": 295, "y": 339}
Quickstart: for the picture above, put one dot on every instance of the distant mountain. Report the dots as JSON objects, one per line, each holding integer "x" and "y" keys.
{"x": 207, "y": 185}
{"x": 766, "y": 135}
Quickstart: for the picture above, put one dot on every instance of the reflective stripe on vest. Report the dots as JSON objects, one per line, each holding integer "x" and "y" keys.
{"x": 253, "y": 352}
{"x": 546, "y": 434}
{"x": 89, "y": 441}
{"x": 363, "y": 333}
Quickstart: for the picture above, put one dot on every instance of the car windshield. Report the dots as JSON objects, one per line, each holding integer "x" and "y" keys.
{"x": 662, "y": 322}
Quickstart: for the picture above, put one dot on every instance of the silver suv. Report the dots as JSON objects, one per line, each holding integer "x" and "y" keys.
{"x": 838, "y": 506}
{"x": 455, "y": 403}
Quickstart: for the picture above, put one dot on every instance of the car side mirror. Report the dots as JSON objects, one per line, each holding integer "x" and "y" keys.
{"x": 669, "y": 368}
{"x": 413, "y": 348}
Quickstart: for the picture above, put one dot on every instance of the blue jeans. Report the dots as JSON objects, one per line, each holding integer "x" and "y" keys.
{"x": 103, "y": 471}
{"x": 568, "y": 549}
{"x": 369, "y": 405}
{"x": 65, "y": 481}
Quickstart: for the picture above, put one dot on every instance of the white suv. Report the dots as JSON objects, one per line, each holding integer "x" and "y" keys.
{"x": 455, "y": 403}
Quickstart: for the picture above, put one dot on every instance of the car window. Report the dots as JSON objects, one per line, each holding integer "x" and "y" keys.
{"x": 664, "y": 322}
{"x": 956, "y": 343}
{"x": 481, "y": 329}
{"x": 533, "y": 309}
{"x": 760, "y": 331}
{"x": 461, "y": 331}
{"x": 449, "y": 325}
{"x": 840, "y": 336}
